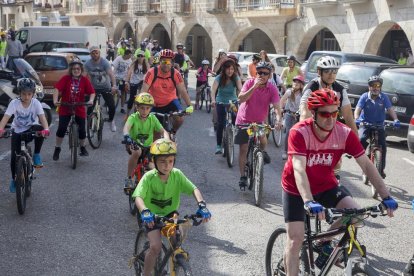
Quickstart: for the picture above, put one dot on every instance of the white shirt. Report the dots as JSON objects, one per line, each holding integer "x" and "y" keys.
{"x": 137, "y": 76}
{"x": 24, "y": 118}
{"x": 121, "y": 66}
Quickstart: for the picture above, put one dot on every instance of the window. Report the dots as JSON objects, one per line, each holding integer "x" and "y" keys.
{"x": 37, "y": 47}
{"x": 22, "y": 36}
{"x": 48, "y": 63}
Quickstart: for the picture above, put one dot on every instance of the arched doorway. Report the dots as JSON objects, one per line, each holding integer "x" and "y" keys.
{"x": 394, "y": 43}
{"x": 160, "y": 33}
{"x": 324, "y": 40}
{"x": 128, "y": 32}
{"x": 256, "y": 41}
{"x": 198, "y": 45}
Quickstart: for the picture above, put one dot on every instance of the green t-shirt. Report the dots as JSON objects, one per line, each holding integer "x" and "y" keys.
{"x": 146, "y": 127}
{"x": 146, "y": 53}
{"x": 163, "y": 198}
{"x": 121, "y": 51}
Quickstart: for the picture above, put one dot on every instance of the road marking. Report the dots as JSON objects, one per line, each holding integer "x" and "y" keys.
{"x": 4, "y": 155}
{"x": 211, "y": 132}
{"x": 408, "y": 161}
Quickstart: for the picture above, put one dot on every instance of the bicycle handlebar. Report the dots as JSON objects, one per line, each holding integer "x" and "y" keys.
{"x": 252, "y": 125}
{"x": 376, "y": 126}
{"x": 194, "y": 217}
{"x": 9, "y": 133}
{"x": 175, "y": 113}
{"x": 331, "y": 214}
{"x": 73, "y": 104}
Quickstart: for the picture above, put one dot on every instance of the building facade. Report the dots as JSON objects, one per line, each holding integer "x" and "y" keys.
{"x": 298, "y": 27}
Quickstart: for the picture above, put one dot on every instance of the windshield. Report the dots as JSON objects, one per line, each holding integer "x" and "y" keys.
{"x": 23, "y": 69}
{"x": 22, "y": 36}
{"x": 355, "y": 74}
{"x": 398, "y": 82}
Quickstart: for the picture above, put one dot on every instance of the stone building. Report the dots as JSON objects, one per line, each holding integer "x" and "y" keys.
{"x": 298, "y": 27}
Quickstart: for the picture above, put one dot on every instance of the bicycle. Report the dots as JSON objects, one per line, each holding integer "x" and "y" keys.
{"x": 173, "y": 260}
{"x": 141, "y": 168}
{"x": 229, "y": 132}
{"x": 276, "y": 133}
{"x": 167, "y": 119}
{"x": 342, "y": 248}
{"x": 94, "y": 124}
{"x": 205, "y": 96}
{"x": 24, "y": 169}
{"x": 118, "y": 94}
{"x": 253, "y": 169}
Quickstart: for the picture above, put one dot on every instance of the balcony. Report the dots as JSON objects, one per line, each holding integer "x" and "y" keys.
{"x": 260, "y": 8}
{"x": 14, "y": 3}
{"x": 218, "y": 7}
{"x": 88, "y": 8}
{"x": 120, "y": 7}
{"x": 319, "y": 3}
{"x": 148, "y": 8}
{"x": 348, "y": 2}
{"x": 183, "y": 7}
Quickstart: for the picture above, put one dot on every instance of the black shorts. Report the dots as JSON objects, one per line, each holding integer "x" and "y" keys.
{"x": 171, "y": 107}
{"x": 200, "y": 83}
{"x": 241, "y": 136}
{"x": 293, "y": 204}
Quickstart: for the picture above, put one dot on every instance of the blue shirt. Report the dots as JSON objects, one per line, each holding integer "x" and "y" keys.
{"x": 226, "y": 93}
{"x": 373, "y": 111}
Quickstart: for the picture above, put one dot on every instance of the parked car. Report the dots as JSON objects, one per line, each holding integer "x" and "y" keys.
{"x": 48, "y": 46}
{"x": 311, "y": 72}
{"x": 280, "y": 62}
{"x": 244, "y": 59}
{"x": 82, "y": 53}
{"x": 398, "y": 86}
{"x": 354, "y": 76}
{"x": 50, "y": 67}
{"x": 410, "y": 135}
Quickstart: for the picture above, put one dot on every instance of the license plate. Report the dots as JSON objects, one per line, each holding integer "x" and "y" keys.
{"x": 49, "y": 90}
{"x": 399, "y": 109}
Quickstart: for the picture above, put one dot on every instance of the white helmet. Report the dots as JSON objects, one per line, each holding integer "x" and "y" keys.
{"x": 327, "y": 62}
{"x": 205, "y": 62}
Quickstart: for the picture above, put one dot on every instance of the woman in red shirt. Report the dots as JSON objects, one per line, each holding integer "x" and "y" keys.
{"x": 72, "y": 88}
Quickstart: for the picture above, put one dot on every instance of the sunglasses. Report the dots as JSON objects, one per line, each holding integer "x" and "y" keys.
{"x": 377, "y": 85}
{"x": 326, "y": 114}
{"x": 261, "y": 73}
{"x": 166, "y": 61}
{"x": 330, "y": 71}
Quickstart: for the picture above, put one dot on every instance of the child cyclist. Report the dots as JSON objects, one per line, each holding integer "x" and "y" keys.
{"x": 158, "y": 193}
{"x": 27, "y": 113}
{"x": 140, "y": 123}
{"x": 202, "y": 79}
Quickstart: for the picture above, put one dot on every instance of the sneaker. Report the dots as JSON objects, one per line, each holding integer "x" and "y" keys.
{"x": 243, "y": 182}
{"x": 122, "y": 111}
{"x": 284, "y": 156}
{"x": 266, "y": 157}
{"x": 12, "y": 186}
{"x": 83, "y": 152}
{"x": 56, "y": 153}
{"x": 128, "y": 185}
{"x": 113, "y": 126}
{"x": 219, "y": 150}
{"x": 37, "y": 160}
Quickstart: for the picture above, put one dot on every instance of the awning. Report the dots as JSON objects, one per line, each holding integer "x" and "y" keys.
{"x": 64, "y": 18}
{"x": 44, "y": 18}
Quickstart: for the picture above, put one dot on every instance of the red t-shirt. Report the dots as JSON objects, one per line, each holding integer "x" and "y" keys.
{"x": 72, "y": 90}
{"x": 321, "y": 156}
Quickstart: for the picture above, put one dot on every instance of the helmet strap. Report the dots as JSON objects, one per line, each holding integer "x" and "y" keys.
{"x": 317, "y": 125}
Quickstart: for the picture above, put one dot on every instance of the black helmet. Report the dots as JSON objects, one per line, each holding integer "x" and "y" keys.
{"x": 373, "y": 79}
{"x": 265, "y": 65}
{"x": 26, "y": 84}
{"x": 76, "y": 61}
{"x": 257, "y": 57}
{"x": 291, "y": 58}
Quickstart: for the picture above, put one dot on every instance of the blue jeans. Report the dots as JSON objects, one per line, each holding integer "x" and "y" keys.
{"x": 364, "y": 134}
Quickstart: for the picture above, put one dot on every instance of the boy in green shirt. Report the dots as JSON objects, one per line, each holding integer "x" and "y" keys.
{"x": 159, "y": 192}
{"x": 139, "y": 129}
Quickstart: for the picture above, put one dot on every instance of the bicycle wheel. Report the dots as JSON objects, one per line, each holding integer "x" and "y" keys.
{"x": 30, "y": 171}
{"x": 361, "y": 268}
{"x": 208, "y": 100}
{"x": 140, "y": 250}
{"x": 132, "y": 207}
{"x": 378, "y": 164}
{"x": 258, "y": 176}
{"x": 94, "y": 130}
{"x": 73, "y": 140}
{"x": 21, "y": 179}
{"x": 182, "y": 266}
{"x": 229, "y": 146}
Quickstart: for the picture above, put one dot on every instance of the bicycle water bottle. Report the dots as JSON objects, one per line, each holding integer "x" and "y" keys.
{"x": 324, "y": 255}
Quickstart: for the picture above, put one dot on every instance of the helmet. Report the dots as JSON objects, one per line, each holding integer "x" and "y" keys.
{"x": 265, "y": 65}
{"x": 299, "y": 78}
{"x": 179, "y": 45}
{"x": 205, "y": 62}
{"x": 143, "y": 44}
{"x": 26, "y": 84}
{"x": 156, "y": 60}
{"x": 291, "y": 58}
{"x": 233, "y": 57}
{"x": 229, "y": 61}
{"x": 76, "y": 61}
{"x": 166, "y": 53}
{"x": 221, "y": 51}
{"x": 144, "y": 99}
{"x": 257, "y": 57}
{"x": 163, "y": 147}
{"x": 373, "y": 79}
{"x": 327, "y": 62}
{"x": 322, "y": 97}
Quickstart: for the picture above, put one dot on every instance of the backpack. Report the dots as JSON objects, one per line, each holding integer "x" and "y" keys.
{"x": 156, "y": 76}
{"x": 313, "y": 85}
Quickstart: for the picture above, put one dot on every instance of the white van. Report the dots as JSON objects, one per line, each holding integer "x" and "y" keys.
{"x": 96, "y": 36}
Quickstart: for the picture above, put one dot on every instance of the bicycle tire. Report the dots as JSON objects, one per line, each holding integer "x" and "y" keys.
{"x": 276, "y": 134}
{"x": 258, "y": 176}
{"x": 94, "y": 130}
{"x": 208, "y": 100}
{"x": 132, "y": 207}
{"x": 202, "y": 99}
{"x": 73, "y": 134}
{"x": 182, "y": 266}
{"x": 378, "y": 164}
{"x": 362, "y": 268}
{"x": 224, "y": 142}
{"x": 29, "y": 170}
{"x": 21, "y": 178}
{"x": 140, "y": 248}
{"x": 229, "y": 146}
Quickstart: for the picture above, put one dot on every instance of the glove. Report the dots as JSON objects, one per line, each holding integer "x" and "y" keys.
{"x": 390, "y": 203}
{"x": 189, "y": 109}
{"x": 396, "y": 124}
{"x": 146, "y": 216}
{"x": 202, "y": 211}
{"x": 44, "y": 132}
{"x": 128, "y": 139}
{"x": 313, "y": 207}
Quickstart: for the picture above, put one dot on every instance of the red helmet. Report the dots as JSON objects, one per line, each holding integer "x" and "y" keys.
{"x": 299, "y": 78}
{"x": 166, "y": 53}
{"x": 322, "y": 97}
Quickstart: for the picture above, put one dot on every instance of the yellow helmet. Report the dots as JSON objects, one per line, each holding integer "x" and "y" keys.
{"x": 156, "y": 60}
{"x": 163, "y": 147}
{"x": 144, "y": 98}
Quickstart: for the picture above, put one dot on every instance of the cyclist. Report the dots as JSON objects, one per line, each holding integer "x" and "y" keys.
{"x": 121, "y": 65}
{"x": 158, "y": 193}
{"x": 374, "y": 104}
{"x": 290, "y": 102}
{"x": 27, "y": 113}
{"x": 156, "y": 49}
{"x": 251, "y": 69}
{"x": 181, "y": 62}
{"x": 144, "y": 51}
{"x": 72, "y": 88}
{"x": 290, "y": 71}
{"x": 140, "y": 123}
{"x": 164, "y": 82}
{"x": 202, "y": 79}
{"x": 308, "y": 179}
{"x": 122, "y": 48}
{"x": 239, "y": 70}
{"x": 101, "y": 75}
{"x": 255, "y": 97}
{"x": 226, "y": 87}
{"x": 263, "y": 56}
{"x": 222, "y": 56}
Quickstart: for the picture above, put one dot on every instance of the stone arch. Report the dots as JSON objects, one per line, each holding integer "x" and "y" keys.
{"x": 159, "y": 31}
{"x": 236, "y": 42}
{"x": 123, "y": 29}
{"x": 303, "y": 49}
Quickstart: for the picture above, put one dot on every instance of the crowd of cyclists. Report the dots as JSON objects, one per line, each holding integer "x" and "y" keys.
{"x": 152, "y": 79}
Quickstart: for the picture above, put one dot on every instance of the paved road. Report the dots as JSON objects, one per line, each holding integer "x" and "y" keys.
{"x": 77, "y": 221}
